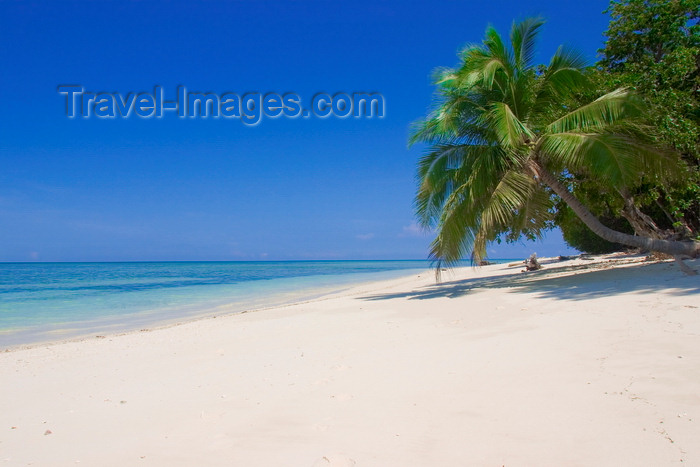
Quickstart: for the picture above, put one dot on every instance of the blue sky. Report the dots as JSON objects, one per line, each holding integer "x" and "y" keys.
{"x": 216, "y": 189}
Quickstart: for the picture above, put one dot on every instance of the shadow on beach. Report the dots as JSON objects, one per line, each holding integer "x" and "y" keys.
{"x": 573, "y": 282}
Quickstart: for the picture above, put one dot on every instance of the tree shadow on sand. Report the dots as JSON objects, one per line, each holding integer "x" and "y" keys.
{"x": 578, "y": 282}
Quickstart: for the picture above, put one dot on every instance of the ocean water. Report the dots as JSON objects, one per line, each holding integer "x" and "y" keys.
{"x": 41, "y": 302}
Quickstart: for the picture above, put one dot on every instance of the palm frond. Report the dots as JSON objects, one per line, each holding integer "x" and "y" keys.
{"x": 511, "y": 132}
{"x": 563, "y": 78}
{"x": 607, "y": 110}
{"x": 449, "y": 126}
{"x": 481, "y": 68}
{"x": 619, "y": 158}
{"x": 533, "y": 215}
{"x": 522, "y": 36}
{"x": 456, "y": 230}
{"x": 466, "y": 228}
{"x": 448, "y": 166}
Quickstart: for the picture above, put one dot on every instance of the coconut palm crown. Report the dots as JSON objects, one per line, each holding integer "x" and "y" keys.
{"x": 505, "y": 134}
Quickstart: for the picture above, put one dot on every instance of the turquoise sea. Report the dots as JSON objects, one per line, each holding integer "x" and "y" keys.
{"x": 42, "y": 302}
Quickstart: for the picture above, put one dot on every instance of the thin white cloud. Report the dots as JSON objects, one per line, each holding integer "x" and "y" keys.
{"x": 414, "y": 230}
{"x": 366, "y": 236}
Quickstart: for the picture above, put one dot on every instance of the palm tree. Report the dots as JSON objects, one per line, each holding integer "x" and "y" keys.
{"x": 505, "y": 132}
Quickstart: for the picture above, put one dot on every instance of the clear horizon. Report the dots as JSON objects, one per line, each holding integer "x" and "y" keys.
{"x": 427, "y": 260}
{"x": 217, "y": 189}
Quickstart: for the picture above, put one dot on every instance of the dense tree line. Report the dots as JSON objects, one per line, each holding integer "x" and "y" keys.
{"x": 653, "y": 48}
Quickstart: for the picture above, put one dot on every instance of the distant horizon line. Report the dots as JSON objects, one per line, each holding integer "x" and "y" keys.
{"x": 233, "y": 261}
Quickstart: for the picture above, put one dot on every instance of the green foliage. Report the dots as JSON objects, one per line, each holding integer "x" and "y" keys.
{"x": 499, "y": 120}
{"x": 653, "y": 46}
{"x": 604, "y": 204}
{"x": 643, "y": 33}
{"x": 579, "y": 236}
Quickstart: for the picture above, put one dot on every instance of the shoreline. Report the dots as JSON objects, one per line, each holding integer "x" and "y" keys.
{"x": 310, "y": 295}
{"x": 157, "y": 318}
{"x": 581, "y": 363}
{"x": 578, "y": 263}
{"x": 318, "y": 295}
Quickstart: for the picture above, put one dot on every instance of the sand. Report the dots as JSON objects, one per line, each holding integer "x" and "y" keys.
{"x": 581, "y": 364}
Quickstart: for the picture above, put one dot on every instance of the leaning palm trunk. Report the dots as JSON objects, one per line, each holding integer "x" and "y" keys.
{"x": 642, "y": 224}
{"x": 673, "y": 248}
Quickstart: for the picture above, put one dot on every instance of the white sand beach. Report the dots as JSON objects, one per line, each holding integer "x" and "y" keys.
{"x": 585, "y": 363}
